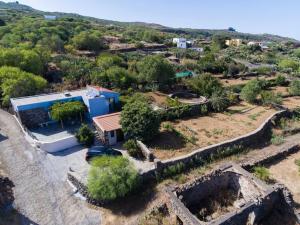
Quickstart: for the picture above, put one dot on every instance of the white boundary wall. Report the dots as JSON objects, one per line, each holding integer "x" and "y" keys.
{"x": 57, "y": 145}
{"x": 50, "y": 147}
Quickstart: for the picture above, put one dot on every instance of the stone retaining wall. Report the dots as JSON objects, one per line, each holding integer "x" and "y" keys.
{"x": 261, "y": 201}
{"x": 148, "y": 154}
{"x": 82, "y": 189}
{"x": 34, "y": 117}
{"x": 267, "y": 159}
{"x": 253, "y": 139}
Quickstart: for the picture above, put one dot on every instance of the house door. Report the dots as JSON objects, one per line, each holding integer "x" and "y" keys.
{"x": 120, "y": 135}
{"x": 112, "y": 137}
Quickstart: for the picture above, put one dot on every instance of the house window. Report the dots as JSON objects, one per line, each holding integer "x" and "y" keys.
{"x": 112, "y": 134}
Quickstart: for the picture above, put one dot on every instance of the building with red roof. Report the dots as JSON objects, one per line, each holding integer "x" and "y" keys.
{"x": 109, "y": 128}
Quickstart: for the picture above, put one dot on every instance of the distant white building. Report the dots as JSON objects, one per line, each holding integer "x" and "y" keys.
{"x": 197, "y": 49}
{"x": 263, "y": 44}
{"x": 181, "y": 42}
{"x": 49, "y": 17}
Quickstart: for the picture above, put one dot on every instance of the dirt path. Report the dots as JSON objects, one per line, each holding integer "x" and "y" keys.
{"x": 40, "y": 196}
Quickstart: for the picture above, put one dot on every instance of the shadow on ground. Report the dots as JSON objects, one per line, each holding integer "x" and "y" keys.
{"x": 3, "y": 138}
{"x": 135, "y": 203}
{"x": 8, "y": 214}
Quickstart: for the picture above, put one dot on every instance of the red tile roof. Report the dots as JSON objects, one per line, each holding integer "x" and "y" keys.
{"x": 108, "y": 122}
{"x": 101, "y": 89}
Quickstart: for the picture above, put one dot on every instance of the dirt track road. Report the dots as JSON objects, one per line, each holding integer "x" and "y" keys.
{"x": 41, "y": 196}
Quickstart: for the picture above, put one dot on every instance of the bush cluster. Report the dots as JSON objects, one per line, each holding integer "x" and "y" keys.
{"x": 111, "y": 177}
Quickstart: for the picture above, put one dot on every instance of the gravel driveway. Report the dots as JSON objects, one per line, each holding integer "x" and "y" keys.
{"x": 42, "y": 194}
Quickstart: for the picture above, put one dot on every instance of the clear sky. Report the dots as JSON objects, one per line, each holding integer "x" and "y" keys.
{"x": 280, "y": 17}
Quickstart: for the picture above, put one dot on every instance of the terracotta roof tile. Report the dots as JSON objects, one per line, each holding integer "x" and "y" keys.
{"x": 108, "y": 122}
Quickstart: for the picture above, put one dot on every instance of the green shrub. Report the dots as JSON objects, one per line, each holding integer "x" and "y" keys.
{"x": 263, "y": 70}
{"x": 168, "y": 126}
{"x": 139, "y": 121}
{"x": 132, "y": 148}
{"x": 173, "y": 102}
{"x": 269, "y": 98}
{"x": 237, "y": 88}
{"x": 85, "y": 135}
{"x": 277, "y": 139}
{"x": 295, "y": 88}
{"x": 251, "y": 90}
{"x": 219, "y": 101}
{"x": 280, "y": 80}
{"x": 262, "y": 173}
{"x": 288, "y": 64}
{"x": 205, "y": 84}
{"x": 111, "y": 177}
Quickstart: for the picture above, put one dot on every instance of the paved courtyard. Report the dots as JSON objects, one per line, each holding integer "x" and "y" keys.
{"x": 42, "y": 194}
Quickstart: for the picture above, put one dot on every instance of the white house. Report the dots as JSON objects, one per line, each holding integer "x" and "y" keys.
{"x": 181, "y": 42}
{"x": 263, "y": 44}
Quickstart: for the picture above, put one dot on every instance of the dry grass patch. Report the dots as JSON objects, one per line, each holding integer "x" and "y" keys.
{"x": 291, "y": 102}
{"x": 287, "y": 172}
{"x": 208, "y": 130}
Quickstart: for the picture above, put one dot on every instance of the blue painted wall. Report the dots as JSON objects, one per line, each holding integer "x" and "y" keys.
{"x": 46, "y": 104}
{"x": 97, "y": 106}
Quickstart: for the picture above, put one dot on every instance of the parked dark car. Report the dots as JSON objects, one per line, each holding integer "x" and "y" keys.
{"x": 100, "y": 151}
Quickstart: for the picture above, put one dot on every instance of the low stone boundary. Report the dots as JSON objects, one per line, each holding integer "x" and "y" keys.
{"x": 148, "y": 154}
{"x": 253, "y": 138}
{"x": 268, "y": 159}
{"x": 82, "y": 189}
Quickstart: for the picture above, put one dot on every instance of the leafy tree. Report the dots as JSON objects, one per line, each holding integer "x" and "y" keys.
{"x": 27, "y": 60}
{"x": 105, "y": 61}
{"x": 111, "y": 177}
{"x": 76, "y": 70}
{"x": 251, "y": 90}
{"x": 67, "y": 110}
{"x": 85, "y": 135}
{"x": 114, "y": 77}
{"x": 295, "y": 88}
{"x": 209, "y": 64}
{"x": 287, "y": 64}
{"x": 205, "y": 84}
{"x": 31, "y": 62}
{"x": 155, "y": 69}
{"x": 53, "y": 42}
{"x": 139, "y": 120}
{"x": 91, "y": 41}
{"x": 17, "y": 83}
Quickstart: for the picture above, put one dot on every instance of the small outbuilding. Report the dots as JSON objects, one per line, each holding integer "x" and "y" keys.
{"x": 109, "y": 128}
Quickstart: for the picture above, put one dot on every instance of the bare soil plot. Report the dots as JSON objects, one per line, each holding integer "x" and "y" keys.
{"x": 291, "y": 102}
{"x": 280, "y": 90}
{"x": 244, "y": 80}
{"x": 287, "y": 173}
{"x": 158, "y": 98}
{"x": 208, "y": 130}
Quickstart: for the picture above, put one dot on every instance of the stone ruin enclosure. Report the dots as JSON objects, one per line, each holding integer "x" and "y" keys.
{"x": 231, "y": 196}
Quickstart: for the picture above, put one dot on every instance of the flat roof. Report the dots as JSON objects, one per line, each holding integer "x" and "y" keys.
{"x": 46, "y": 97}
{"x": 108, "y": 122}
